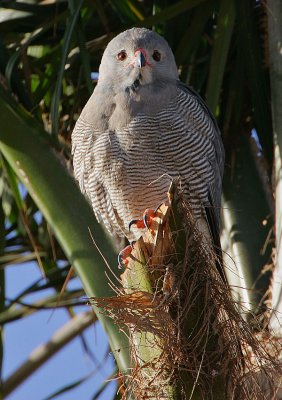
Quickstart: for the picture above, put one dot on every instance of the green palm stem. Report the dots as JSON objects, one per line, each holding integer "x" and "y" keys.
{"x": 244, "y": 236}
{"x": 274, "y": 8}
{"x": 27, "y": 149}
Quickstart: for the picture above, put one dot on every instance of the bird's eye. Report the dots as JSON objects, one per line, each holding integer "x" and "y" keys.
{"x": 157, "y": 56}
{"x": 121, "y": 56}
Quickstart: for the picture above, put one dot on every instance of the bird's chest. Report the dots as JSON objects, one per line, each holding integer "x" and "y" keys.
{"x": 140, "y": 156}
{"x": 137, "y": 144}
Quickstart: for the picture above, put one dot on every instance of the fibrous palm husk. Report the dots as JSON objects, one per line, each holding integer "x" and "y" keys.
{"x": 188, "y": 340}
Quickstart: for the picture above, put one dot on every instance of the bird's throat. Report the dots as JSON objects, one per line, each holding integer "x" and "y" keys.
{"x": 135, "y": 86}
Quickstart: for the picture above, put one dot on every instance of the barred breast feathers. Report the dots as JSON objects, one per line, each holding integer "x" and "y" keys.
{"x": 181, "y": 139}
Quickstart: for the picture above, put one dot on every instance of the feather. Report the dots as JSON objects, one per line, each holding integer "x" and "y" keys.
{"x": 128, "y": 145}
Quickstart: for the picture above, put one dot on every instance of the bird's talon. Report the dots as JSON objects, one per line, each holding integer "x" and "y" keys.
{"x": 133, "y": 222}
{"x": 148, "y": 216}
{"x": 146, "y": 220}
{"x": 159, "y": 206}
{"x": 139, "y": 223}
{"x": 124, "y": 254}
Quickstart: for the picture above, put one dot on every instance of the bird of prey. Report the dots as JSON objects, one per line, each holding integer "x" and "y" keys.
{"x": 141, "y": 129}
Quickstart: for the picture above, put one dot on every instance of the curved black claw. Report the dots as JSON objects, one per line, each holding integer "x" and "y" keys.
{"x": 159, "y": 206}
{"x": 120, "y": 261}
{"x": 123, "y": 254}
{"x": 133, "y": 222}
{"x": 145, "y": 220}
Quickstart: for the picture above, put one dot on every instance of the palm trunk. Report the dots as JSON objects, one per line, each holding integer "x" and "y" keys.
{"x": 274, "y": 8}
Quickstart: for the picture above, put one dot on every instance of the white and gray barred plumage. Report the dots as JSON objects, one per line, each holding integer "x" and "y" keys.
{"x": 140, "y": 129}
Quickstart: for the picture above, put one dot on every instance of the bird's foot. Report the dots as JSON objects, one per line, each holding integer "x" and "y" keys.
{"x": 146, "y": 220}
{"x": 124, "y": 254}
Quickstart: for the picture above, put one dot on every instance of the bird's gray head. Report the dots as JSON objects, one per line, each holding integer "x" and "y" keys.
{"x": 137, "y": 75}
{"x": 135, "y": 58}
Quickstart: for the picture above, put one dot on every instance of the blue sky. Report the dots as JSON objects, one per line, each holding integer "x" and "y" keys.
{"x": 67, "y": 366}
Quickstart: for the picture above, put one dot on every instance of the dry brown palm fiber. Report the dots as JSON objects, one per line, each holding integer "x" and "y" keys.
{"x": 187, "y": 337}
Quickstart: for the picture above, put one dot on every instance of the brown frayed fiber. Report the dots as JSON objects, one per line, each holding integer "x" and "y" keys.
{"x": 187, "y": 337}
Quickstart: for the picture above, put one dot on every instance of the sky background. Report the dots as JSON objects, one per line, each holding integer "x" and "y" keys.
{"x": 67, "y": 366}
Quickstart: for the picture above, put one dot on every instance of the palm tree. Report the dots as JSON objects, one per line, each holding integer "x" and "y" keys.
{"x": 226, "y": 50}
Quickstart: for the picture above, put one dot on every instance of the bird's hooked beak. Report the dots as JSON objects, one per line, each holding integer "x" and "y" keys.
{"x": 140, "y": 60}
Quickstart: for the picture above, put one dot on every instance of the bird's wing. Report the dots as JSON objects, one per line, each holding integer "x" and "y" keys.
{"x": 212, "y": 206}
{"x": 217, "y": 142}
{"x": 88, "y": 163}
{"x": 82, "y": 144}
